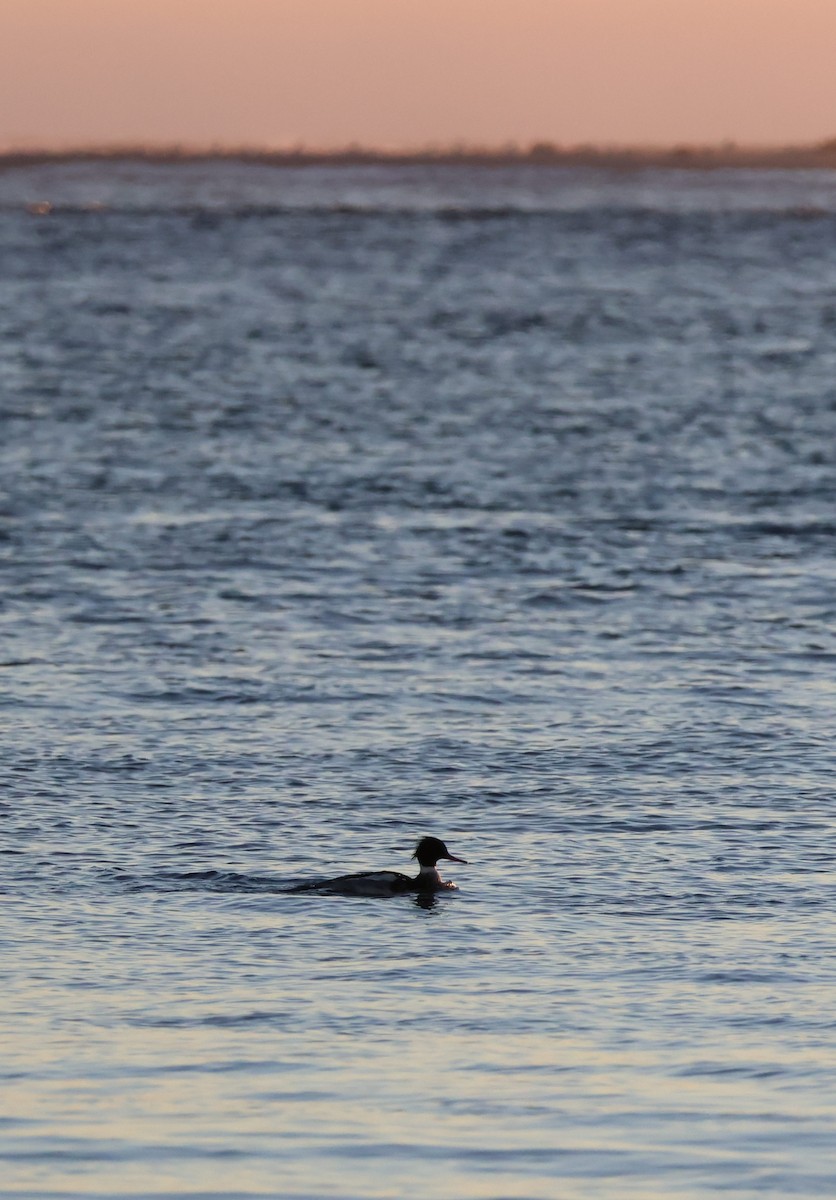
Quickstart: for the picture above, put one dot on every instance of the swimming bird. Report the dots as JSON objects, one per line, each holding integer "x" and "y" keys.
{"x": 392, "y": 883}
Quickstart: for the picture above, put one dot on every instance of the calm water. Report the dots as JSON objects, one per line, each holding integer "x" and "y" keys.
{"x": 343, "y": 507}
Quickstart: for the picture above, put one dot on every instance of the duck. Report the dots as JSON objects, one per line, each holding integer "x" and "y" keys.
{"x": 427, "y": 882}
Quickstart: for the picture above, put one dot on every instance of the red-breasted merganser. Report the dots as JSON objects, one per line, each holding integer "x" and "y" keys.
{"x": 392, "y": 883}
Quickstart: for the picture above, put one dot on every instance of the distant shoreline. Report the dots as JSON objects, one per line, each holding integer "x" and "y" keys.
{"x": 821, "y": 155}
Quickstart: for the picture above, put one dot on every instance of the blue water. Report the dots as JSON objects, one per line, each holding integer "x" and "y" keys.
{"x": 340, "y": 507}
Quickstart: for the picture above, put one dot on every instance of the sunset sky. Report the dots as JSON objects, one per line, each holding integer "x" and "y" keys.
{"x": 408, "y": 73}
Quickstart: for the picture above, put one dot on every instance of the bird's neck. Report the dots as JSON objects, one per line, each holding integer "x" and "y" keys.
{"x": 428, "y": 875}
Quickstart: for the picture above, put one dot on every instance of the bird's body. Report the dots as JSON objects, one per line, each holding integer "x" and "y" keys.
{"x": 392, "y": 883}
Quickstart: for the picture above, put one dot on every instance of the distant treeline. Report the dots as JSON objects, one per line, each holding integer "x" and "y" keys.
{"x": 726, "y": 154}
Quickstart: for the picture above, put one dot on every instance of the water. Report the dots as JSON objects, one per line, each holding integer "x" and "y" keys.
{"x": 343, "y": 507}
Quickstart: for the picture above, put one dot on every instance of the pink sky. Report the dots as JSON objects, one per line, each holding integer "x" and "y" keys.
{"x": 413, "y": 72}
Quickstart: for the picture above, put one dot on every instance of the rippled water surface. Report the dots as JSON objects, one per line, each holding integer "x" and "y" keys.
{"x": 343, "y": 507}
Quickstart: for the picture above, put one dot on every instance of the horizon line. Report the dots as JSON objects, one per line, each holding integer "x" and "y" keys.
{"x": 821, "y": 153}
